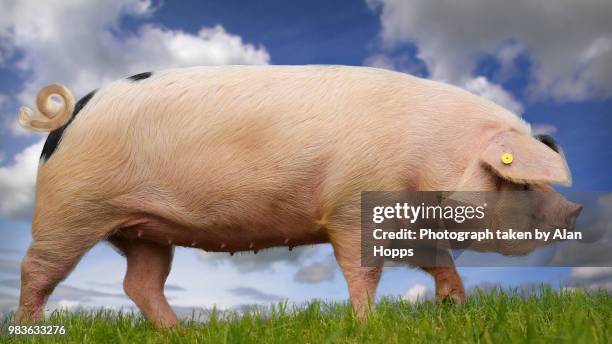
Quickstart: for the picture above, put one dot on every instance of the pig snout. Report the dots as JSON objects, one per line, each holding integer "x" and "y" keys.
{"x": 564, "y": 214}
{"x": 572, "y": 212}
{"x": 558, "y": 212}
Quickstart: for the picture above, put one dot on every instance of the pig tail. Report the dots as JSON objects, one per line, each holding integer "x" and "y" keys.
{"x": 49, "y": 115}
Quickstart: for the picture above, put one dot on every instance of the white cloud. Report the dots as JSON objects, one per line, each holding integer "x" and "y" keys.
{"x": 317, "y": 272}
{"x": 9, "y": 266}
{"x": 13, "y": 126}
{"x": 8, "y": 120}
{"x": 17, "y": 181}
{"x": 482, "y": 87}
{"x": 569, "y": 42}
{"x": 592, "y": 277}
{"x": 543, "y": 128}
{"x": 380, "y": 61}
{"x": 416, "y": 293}
{"x": 8, "y": 303}
{"x": 81, "y": 44}
{"x": 591, "y": 272}
{"x": 67, "y": 304}
{"x": 506, "y": 56}
{"x": 401, "y": 63}
{"x": 479, "y": 85}
{"x": 255, "y": 294}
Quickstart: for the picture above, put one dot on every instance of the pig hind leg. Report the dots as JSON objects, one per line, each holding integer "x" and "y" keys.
{"x": 59, "y": 240}
{"x": 148, "y": 266}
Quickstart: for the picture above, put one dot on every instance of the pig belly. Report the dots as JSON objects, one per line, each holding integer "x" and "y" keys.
{"x": 222, "y": 237}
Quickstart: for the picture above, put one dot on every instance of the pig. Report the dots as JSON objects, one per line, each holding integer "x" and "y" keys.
{"x": 243, "y": 158}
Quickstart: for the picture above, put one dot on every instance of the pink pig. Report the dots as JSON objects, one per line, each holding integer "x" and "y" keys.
{"x": 242, "y": 158}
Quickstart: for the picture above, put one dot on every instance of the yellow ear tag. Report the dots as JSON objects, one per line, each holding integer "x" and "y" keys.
{"x": 507, "y": 158}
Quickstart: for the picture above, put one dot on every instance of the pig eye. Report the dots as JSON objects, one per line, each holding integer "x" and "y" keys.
{"x": 526, "y": 187}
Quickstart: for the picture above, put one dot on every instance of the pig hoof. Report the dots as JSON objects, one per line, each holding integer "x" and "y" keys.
{"x": 454, "y": 299}
{"x": 452, "y": 296}
{"x": 27, "y": 317}
{"x": 232, "y": 253}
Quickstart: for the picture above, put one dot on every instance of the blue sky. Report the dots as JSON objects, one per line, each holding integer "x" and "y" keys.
{"x": 551, "y": 64}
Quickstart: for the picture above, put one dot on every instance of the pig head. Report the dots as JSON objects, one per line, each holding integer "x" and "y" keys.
{"x": 519, "y": 170}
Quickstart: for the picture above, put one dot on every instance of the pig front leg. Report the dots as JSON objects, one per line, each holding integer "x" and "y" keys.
{"x": 449, "y": 286}
{"x": 361, "y": 281}
{"x": 148, "y": 266}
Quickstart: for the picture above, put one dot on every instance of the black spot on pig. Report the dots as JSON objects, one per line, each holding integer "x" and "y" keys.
{"x": 141, "y": 76}
{"x": 549, "y": 141}
{"x": 55, "y": 136}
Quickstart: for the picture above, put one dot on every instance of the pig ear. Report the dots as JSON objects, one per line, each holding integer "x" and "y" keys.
{"x": 523, "y": 159}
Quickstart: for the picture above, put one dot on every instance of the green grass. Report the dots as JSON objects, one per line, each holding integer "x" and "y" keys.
{"x": 496, "y": 317}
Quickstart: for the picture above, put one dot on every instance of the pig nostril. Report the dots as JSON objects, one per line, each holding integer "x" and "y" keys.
{"x": 576, "y": 211}
{"x": 572, "y": 215}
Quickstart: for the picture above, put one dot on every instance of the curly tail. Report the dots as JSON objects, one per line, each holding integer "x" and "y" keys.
{"x": 49, "y": 114}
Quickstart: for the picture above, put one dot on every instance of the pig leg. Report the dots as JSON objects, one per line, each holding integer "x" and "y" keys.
{"x": 47, "y": 262}
{"x": 148, "y": 266}
{"x": 361, "y": 281}
{"x": 61, "y": 233}
{"x": 449, "y": 286}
